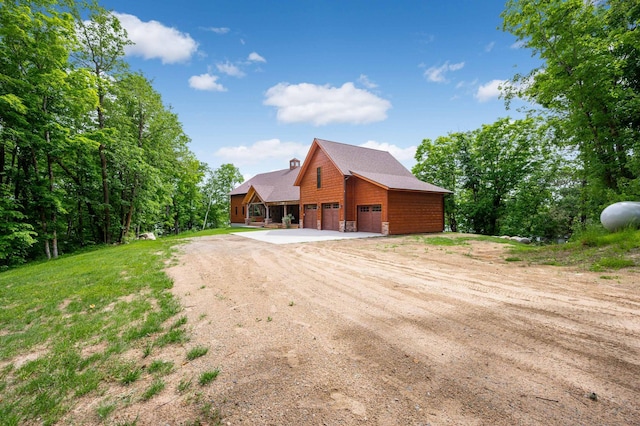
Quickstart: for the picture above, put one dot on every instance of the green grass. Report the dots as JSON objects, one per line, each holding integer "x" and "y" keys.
{"x": 208, "y": 377}
{"x": 593, "y": 249}
{"x": 454, "y": 239}
{"x": 131, "y": 375}
{"x": 67, "y": 325}
{"x": 197, "y": 352}
{"x": 160, "y": 367}
{"x": 105, "y": 410}
{"x": 156, "y": 387}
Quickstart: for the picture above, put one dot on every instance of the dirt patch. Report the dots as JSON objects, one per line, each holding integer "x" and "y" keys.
{"x": 392, "y": 331}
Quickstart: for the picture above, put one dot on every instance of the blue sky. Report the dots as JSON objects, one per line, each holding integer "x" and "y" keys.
{"x": 253, "y": 82}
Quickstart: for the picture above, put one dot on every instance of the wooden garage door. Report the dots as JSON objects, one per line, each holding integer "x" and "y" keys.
{"x": 311, "y": 216}
{"x": 370, "y": 218}
{"x": 331, "y": 216}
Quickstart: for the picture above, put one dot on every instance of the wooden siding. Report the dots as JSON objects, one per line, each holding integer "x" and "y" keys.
{"x": 332, "y": 190}
{"x": 363, "y": 193}
{"x": 236, "y": 206}
{"x": 415, "y": 212}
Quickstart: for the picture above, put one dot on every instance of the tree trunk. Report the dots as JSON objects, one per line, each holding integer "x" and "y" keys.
{"x": 54, "y": 216}
{"x": 2, "y": 159}
{"x": 129, "y": 215}
{"x": 105, "y": 195}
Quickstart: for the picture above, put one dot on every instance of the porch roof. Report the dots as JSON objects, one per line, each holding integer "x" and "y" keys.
{"x": 272, "y": 187}
{"x": 269, "y": 194}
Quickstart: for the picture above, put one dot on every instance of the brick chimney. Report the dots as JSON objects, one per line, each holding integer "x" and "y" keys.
{"x": 294, "y": 164}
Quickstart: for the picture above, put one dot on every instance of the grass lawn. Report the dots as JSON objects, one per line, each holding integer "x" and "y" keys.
{"x": 65, "y": 324}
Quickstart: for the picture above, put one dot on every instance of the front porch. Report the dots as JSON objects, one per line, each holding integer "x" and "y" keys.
{"x": 271, "y": 215}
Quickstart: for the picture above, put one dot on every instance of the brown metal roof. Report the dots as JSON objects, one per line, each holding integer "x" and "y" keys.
{"x": 272, "y": 186}
{"x": 374, "y": 165}
{"x": 350, "y": 157}
{"x": 402, "y": 183}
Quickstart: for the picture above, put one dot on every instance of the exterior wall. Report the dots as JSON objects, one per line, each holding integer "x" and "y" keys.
{"x": 332, "y": 190}
{"x": 360, "y": 193}
{"x": 415, "y": 212}
{"x": 237, "y": 213}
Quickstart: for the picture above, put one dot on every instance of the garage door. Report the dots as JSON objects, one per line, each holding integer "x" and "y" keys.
{"x": 311, "y": 216}
{"x": 331, "y": 216}
{"x": 370, "y": 218}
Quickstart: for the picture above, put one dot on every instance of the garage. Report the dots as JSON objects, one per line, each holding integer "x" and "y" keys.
{"x": 331, "y": 216}
{"x": 370, "y": 218}
{"x": 311, "y": 216}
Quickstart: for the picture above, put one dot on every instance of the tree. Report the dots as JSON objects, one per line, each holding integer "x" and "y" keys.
{"x": 220, "y": 183}
{"x": 588, "y": 83}
{"x": 39, "y": 92}
{"x": 102, "y": 43}
{"x": 438, "y": 163}
{"x": 500, "y": 174}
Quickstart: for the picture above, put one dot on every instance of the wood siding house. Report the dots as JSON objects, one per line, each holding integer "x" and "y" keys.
{"x": 266, "y": 198}
{"x": 350, "y": 188}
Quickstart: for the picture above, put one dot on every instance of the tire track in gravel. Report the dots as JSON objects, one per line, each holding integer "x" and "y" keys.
{"x": 566, "y": 336}
{"x": 415, "y": 337}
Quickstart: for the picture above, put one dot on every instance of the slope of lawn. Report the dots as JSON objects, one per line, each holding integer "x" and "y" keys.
{"x": 595, "y": 249}
{"x": 65, "y": 324}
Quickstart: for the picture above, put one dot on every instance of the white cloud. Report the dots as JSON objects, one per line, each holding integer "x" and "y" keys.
{"x": 206, "y": 82}
{"x": 218, "y": 30}
{"x": 364, "y": 80}
{"x": 401, "y": 154}
{"x": 254, "y": 57}
{"x": 489, "y": 47}
{"x": 437, "y": 74}
{"x": 154, "y": 40}
{"x": 229, "y": 69}
{"x": 272, "y": 151}
{"x": 320, "y": 105}
{"x": 490, "y": 90}
{"x": 519, "y": 44}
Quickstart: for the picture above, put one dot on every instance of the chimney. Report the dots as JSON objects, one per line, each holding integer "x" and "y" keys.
{"x": 294, "y": 164}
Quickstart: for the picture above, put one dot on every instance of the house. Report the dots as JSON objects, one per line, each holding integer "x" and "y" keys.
{"x": 351, "y": 188}
{"x": 266, "y": 198}
{"x": 343, "y": 188}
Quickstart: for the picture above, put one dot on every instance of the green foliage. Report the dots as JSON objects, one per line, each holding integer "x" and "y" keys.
{"x": 217, "y": 187}
{"x": 89, "y": 153}
{"x": 588, "y": 87}
{"x": 502, "y": 176}
{"x": 16, "y": 236}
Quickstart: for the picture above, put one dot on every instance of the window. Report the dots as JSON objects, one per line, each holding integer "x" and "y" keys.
{"x": 242, "y": 210}
{"x": 319, "y": 177}
{"x": 376, "y": 208}
{"x": 236, "y": 210}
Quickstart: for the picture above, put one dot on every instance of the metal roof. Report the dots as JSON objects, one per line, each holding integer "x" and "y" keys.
{"x": 272, "y": 186}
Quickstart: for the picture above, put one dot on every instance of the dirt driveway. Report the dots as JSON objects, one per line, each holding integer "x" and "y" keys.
{"x": 391, "y": 331}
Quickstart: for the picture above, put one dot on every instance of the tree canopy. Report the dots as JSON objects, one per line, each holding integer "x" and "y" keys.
{"x": 89, "y": 152}
{"x": 582, "y": 151}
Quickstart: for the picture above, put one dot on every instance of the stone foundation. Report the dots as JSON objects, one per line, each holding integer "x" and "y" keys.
{"x": 385, "y": 228}
{"x": 351, "y": 226}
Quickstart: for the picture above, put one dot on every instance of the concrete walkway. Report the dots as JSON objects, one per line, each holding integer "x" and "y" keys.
{"x": 305, "y": 235}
